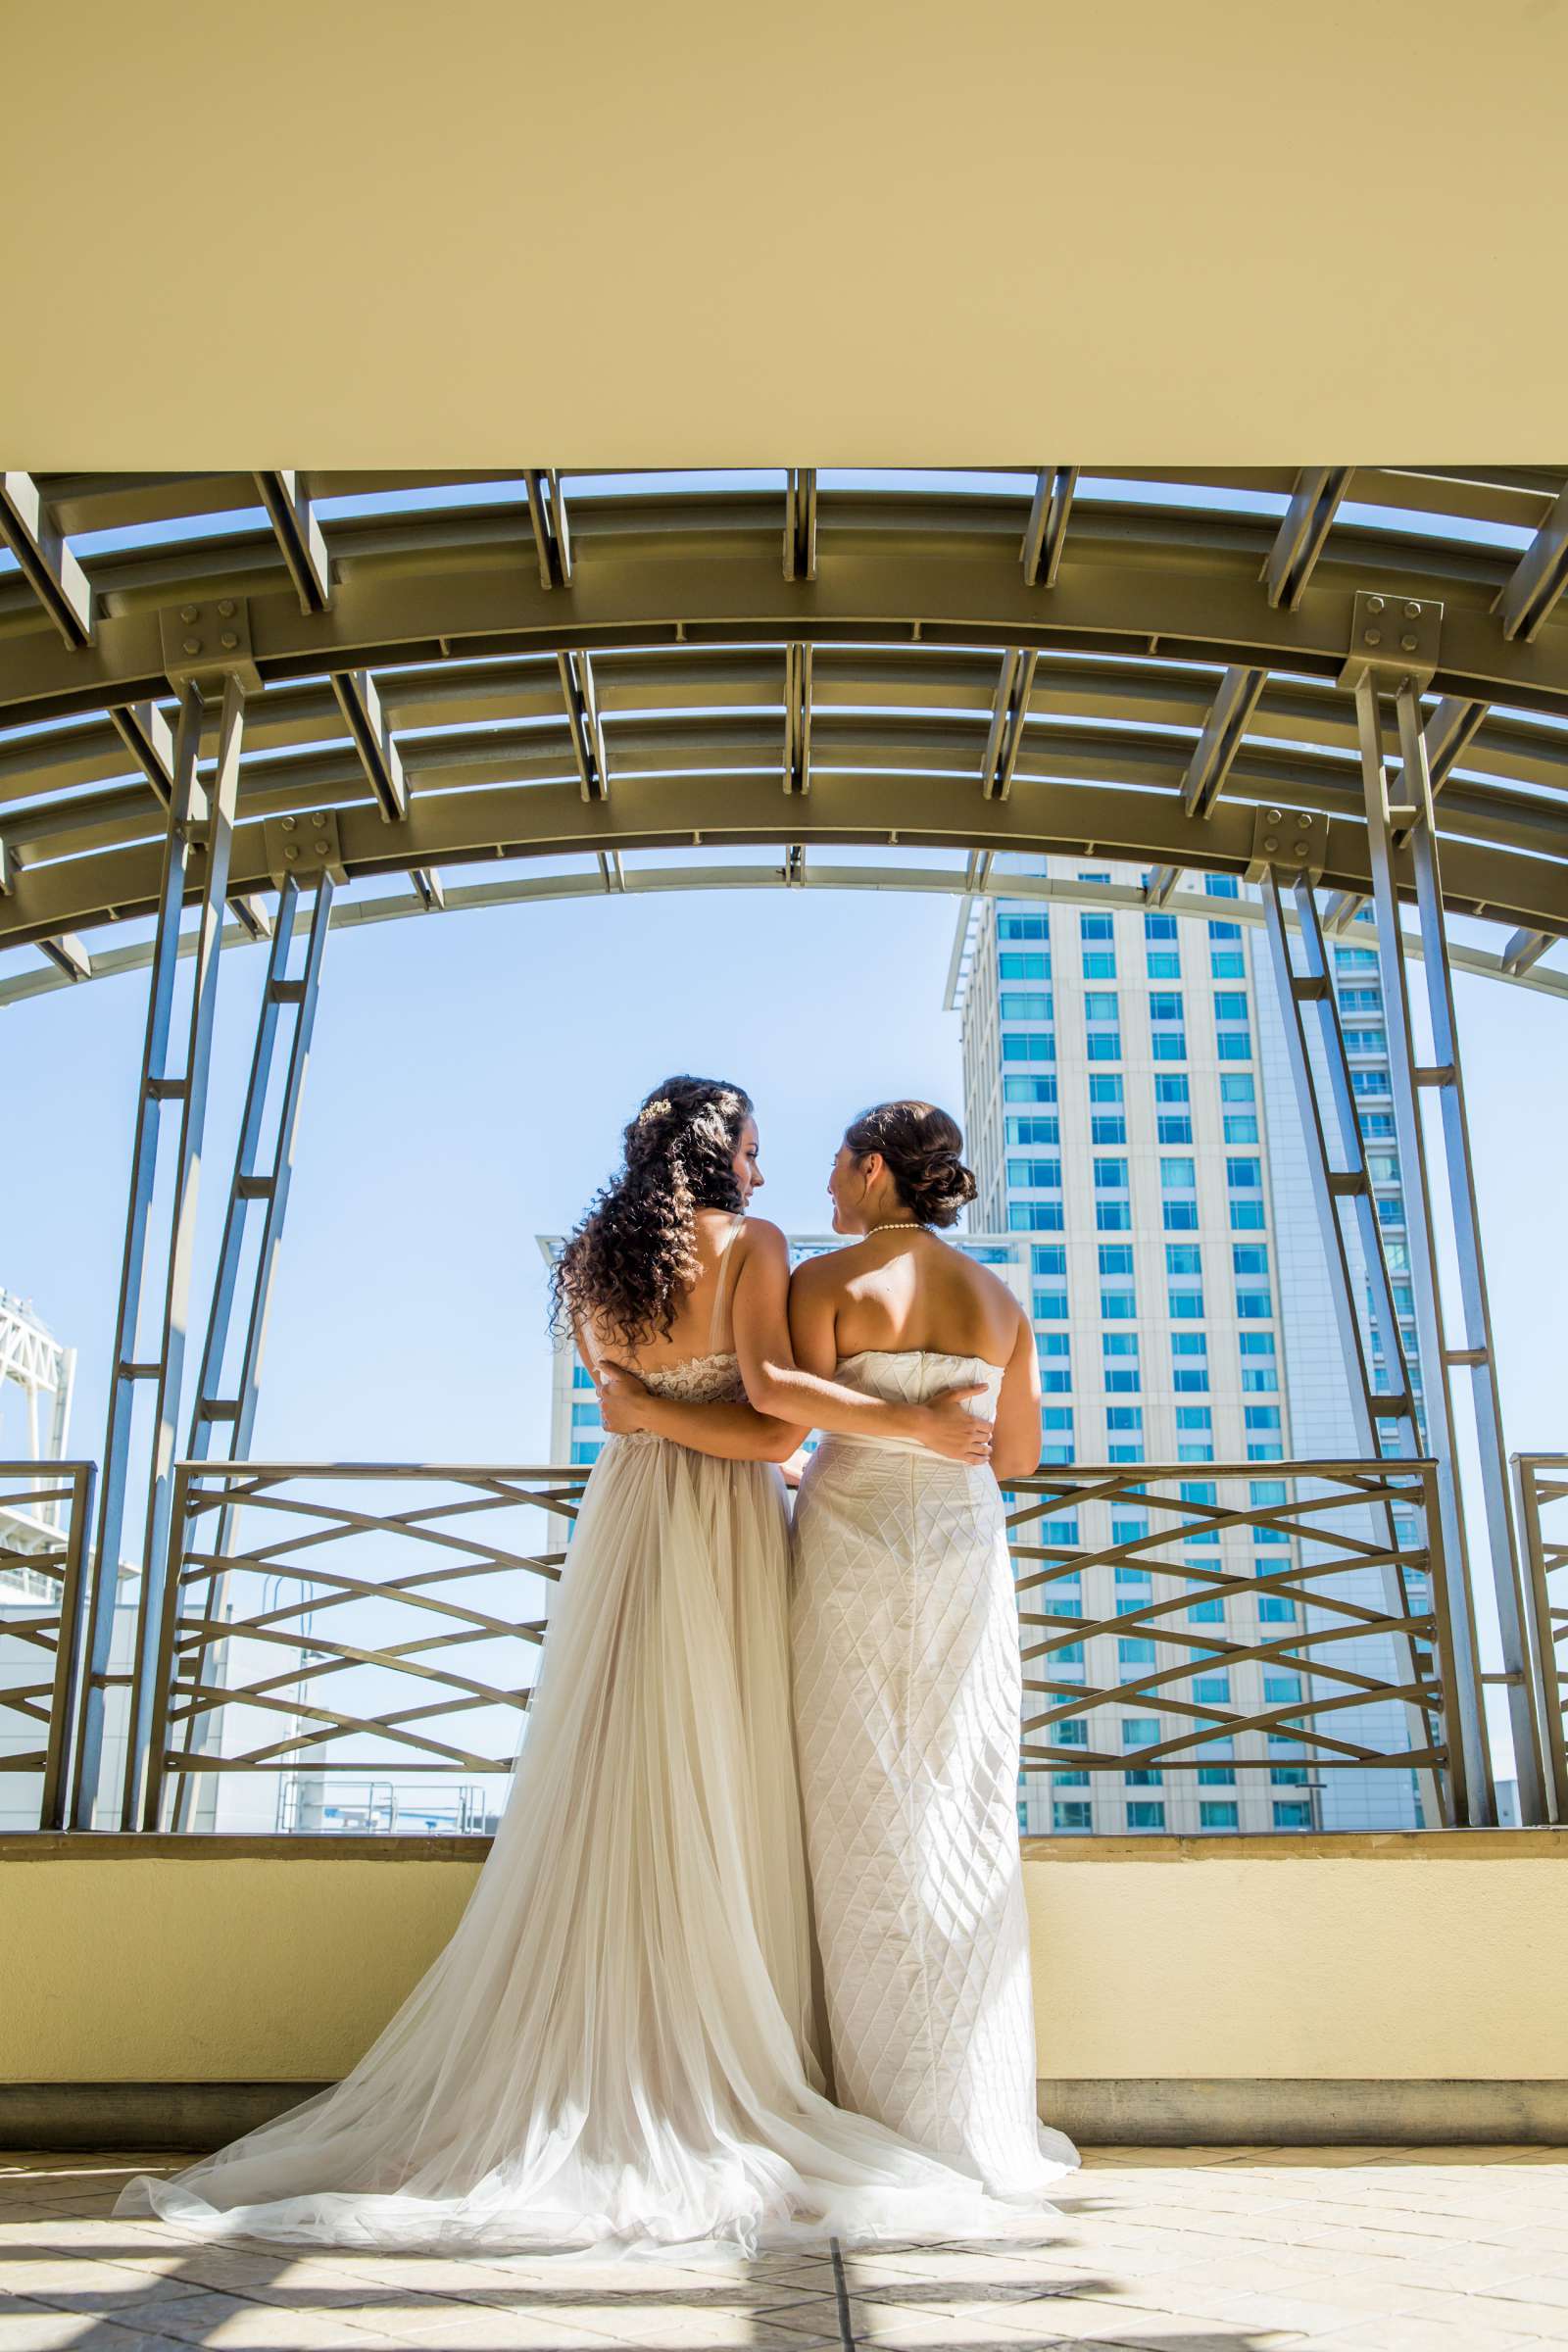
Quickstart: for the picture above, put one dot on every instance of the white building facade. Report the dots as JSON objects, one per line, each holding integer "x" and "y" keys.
{"x": 1130, "y": 1116}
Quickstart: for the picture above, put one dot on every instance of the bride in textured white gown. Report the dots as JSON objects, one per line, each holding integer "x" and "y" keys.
{"x": 907, "y": 1675}
{"x": 617, "y": 2049}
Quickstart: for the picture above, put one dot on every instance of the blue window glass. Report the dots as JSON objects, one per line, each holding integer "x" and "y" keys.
{"x": 1111, "y": 1175}
{"x": 1238, "y": 1087}
{"x": 1057, "y": 1417}
{"x": 1055, "y": 1381}
{"x": 1122, "y": 1380}
{"x": 1195, "y": 1416}
{"x": 1247, "y": 1216}
{"x": 1275, "y": 1608}
{"x": 1230, "y": 1005}
{"x": 1168, "y": 1045}
{"x": 1116, "y": 1257}
{"x": 1222, "y": 886}
{"x": 1133, "y": 1649}
{"x": 1099, "y": 964}
{"x": 1097, "y": 926}
{"x": 1240, "y": 1127}
{"x": 1159, "y": 926}
{"x": 1052, "y": 1343}
{"x": 1108, "y": 1127}
{"x": 1043, "y": 1175}
{"x": 1127, "y": 1452}
{"x": 585, "y": 1416}
{"x": 1113, "y": 1216}
{"x": 1179, "y": 1216}
{"x": 1026, "y": 1005}
{"x": 1036, "y": 1216}
{"x": 1224, "y": 930}
{"x": 1217, "y": 1776}
{"x": 1105, "y": 1086}
{"x": 1178, "y": 1175}
{"x": 1118, "y": 1342}
{"x": 1188, "y": 1379}
{"x": 1071, "y": 1818}
{"x": 586, "y": 1450}
{"x": 1254, "y": 1306}
{"x": 1211, "y": 1689}
{"x": 1144, "y": 1813}
{"x": 1184, "y": 1257}
{"x": 1117, "y": 1306}
{"x": 1234, "y": 1045}
{"x": 1262, "y": 1416}
{"x": 1034, "y": 1131}
{"x": 1103, "y": 1045}
{"x": 1100, "y": 1004}
{"x": 1163, "y": 964}
{"x": 1175, "y": 1127}
{"x": 1025, "y": 967}
{"x": 1189, "y": 1342}
{"x": 1281, "y": 1690}
{"x": 1257, "y": 1342}
{"x": 1050, "y": 1306}
{"x": 1259, "y": 1379}
{"x": 1227, "y": 963}
{"x": 1292, "y": 1816}
{"x": 1172, "y": 1087}
{"x": 1214, "y": 1813}
{"x": 1028, "y": 1046}
{"x": 1249, "y": 1258}
{"x": 1243, "y": 1174}
{"x": 1048, "y": 1258}
{"x": 1023, "y": 926}
{"x": 1028, "y": 1090}
{"x": 1164, "y": 1004}
{"x": 1124, "y": 1417}
{"x": 580, "y": 1377}
{"x": 1184, "y": 1307}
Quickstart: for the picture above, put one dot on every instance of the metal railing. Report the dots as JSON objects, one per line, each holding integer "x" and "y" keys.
{"x": 1541, "y": 1485}
{"x": 334, "y": 1635}
{"x": 45, "y": 1514}
{"x": 330, "y": 1625}
{"x": 1333, "y": 1643}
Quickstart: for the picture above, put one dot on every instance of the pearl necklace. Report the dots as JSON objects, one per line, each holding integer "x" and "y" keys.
{"x": 895, "y": 1225}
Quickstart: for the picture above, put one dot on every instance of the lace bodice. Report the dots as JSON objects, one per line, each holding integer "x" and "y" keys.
{"x": 697, "y": 1379}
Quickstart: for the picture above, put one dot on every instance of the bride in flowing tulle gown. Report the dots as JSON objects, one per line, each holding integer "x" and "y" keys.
{"x": 908, "y": 1673}
{"x": 616, "y": 2051}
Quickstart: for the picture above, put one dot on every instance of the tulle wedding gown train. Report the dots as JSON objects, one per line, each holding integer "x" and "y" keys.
{"x": 615, "y": 2051}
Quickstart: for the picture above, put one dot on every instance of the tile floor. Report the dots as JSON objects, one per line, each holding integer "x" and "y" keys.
{"x": 1212, "y": 2249}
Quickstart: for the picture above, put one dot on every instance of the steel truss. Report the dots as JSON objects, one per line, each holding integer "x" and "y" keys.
{"x": 599, "y": 677}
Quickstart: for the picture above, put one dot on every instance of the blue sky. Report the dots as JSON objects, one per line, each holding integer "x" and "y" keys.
{"x": 469, "y": 1079}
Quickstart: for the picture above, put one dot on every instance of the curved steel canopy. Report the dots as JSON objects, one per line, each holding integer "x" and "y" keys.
{"x": 589, "y": 668}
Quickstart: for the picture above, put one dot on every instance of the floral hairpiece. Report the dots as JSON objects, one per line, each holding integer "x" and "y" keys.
{"x": 656, "y": 1109}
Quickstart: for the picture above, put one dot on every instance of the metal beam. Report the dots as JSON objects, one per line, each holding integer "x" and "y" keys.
{"x": 360, "y": 705}
{"x": 1413, "y": 816}
{"x": 1008, "y": 711}
{"x": 547, "y": 517}
{"x": 1230, "y": 715}
{"x": 582, "y": 720}
{"x": 1046, "y": 532}
{"x": 1302, "y": 533}
{"x": 1528, "y": 595}
{"x": 200, "y": 829}
{"x": 300, "y": 537}
{"x": 797, "y": 719}
{"x": 800, "y": 523}
{"x": 48, "y": 563}
{"x": 223, "y": 1411}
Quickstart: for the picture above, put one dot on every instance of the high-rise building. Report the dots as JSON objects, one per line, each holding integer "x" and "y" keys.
{"x": 1131, "y": 1118}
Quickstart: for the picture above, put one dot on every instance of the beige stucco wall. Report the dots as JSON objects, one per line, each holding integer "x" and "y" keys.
{"x": 1401, "y": 1957}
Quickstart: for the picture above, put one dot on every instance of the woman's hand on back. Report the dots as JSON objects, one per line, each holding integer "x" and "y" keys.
{"x": 622, "y": 1399}
{"x": 947, "y": 1428}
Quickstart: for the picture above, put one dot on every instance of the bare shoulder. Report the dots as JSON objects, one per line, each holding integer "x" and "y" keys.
{"x": 761, "y": 1239}
{"x": 814, "y": 1275}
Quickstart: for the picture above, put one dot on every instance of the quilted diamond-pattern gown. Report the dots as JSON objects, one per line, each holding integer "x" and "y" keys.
{"x": 907, "y": 1693}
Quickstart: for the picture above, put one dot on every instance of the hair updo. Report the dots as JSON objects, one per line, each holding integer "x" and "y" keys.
{"x": 922, "y": 1149}
{"x": 633, "y": 1257}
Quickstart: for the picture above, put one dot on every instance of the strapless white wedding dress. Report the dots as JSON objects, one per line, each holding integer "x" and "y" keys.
{"x": 616, "y": 2049}
{"x": 908, "y": 1699}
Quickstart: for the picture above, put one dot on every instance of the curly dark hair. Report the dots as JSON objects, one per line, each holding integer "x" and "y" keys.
{"x": 921, "y": 1147}
{"x": 634, "y": 1256}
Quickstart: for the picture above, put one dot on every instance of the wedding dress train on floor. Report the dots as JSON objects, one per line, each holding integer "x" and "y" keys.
{"x": 616, "y": 2049}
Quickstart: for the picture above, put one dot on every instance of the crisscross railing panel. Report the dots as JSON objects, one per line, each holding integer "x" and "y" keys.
{"x": 45, "y": 1510}
{"x": 362, "y": 1619}
{"x": 1540, "y": 1482}
{"x": 1319, "y": 1671}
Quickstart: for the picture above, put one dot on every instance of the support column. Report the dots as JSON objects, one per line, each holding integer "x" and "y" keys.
{"x": 198, "y": 837}
{"x": 222, "y": 1416}
{"x": 1337, "y": 1136}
